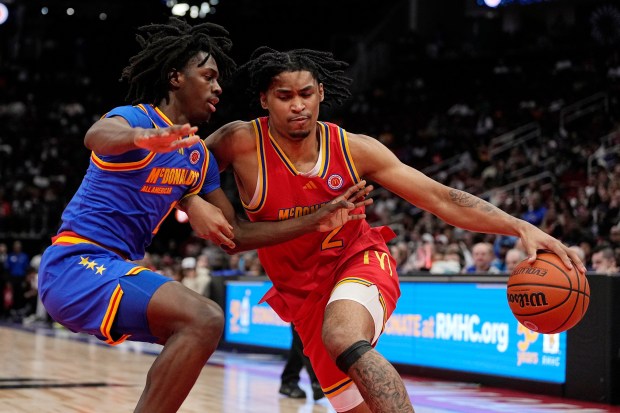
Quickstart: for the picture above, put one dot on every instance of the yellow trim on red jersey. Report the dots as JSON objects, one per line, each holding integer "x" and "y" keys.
{"x": 346, "y": 152}
{"x": 353, "y": 280}
{"x": 262, "y": 184}
{"x": 282, "y": 155}
{"x": 366, "y": 284}
{"x": 338, "y": 388}
{"x": 326, "y": 149}
{"x": 324, "y": 142}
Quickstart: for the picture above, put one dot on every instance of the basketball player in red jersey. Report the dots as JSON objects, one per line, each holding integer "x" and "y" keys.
{"x": 338, "y": 288}
{"x": 143, "y": 164}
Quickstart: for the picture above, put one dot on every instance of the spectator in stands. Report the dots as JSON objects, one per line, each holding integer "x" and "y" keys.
{"x": 202, "y": 267}
{"x": 17, "y": 264}
{"x": 30, "y": 294}
{"x": 513, "y": 257}
{"x": 192, "y": 279}
{"x": 4, "y": 283}
{"x": 501, "y": 245}
{"x": 535, "y": 211}
{"x": 580, "y": 252}
{"x": 255, "y": 268}
{"x": 614, "y": 237}
{"x": 424, "y": 253}
{"x": 483, "y": 256}
{"x": 552, "y": 223}
{"x": 450, "y": 261}
{"x": 235, "y": 265}
{"x": 40, "y": 314}
{"x": 604, "y": 260}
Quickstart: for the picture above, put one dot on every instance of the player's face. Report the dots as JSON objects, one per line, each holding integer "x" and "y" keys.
{"x": 293, "y": 100}
{"x": 198, "y": 89}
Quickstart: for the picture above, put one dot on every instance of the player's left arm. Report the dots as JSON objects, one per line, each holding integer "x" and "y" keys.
{"x": 458, "y": 208}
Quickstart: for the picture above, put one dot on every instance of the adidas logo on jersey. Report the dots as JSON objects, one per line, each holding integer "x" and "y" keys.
{"x": 310, "y": 185}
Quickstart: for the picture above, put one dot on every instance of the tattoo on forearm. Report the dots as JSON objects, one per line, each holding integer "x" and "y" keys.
{"x": 469, "y": 201}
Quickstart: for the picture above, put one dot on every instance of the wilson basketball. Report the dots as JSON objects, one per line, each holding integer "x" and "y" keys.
{"x": 546, "y": 297}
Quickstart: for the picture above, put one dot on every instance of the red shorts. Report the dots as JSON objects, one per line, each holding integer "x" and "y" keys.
{"x": 372, "y": 267}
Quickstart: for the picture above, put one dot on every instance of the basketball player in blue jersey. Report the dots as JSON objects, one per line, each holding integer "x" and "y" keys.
{"x": 145, "y": 162}
{"x": 338, "y": 290}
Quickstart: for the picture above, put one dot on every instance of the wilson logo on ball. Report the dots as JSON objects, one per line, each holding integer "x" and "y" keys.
{"x": 529, "y": 300}
{"x": 530, "y": 270}
{"x": 546, "y": 296}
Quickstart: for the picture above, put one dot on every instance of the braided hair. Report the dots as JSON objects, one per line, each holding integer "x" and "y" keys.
{"x": 266, "y": 63}
{"x": 170, "y": 46}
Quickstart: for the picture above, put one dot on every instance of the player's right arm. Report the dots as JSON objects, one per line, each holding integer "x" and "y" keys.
{"x": 458, "y": 208}
{"x": 114, "y": 136}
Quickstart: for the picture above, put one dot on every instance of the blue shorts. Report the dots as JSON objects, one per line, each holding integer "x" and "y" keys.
{"x": 89, "y": 289}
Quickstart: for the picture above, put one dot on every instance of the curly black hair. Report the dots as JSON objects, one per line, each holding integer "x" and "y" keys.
{"x": 170, "y": 46}
{"x": 256, "y": 75}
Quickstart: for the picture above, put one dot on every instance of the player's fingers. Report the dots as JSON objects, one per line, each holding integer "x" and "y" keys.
{"x": 354, "y": 217}
{"x": 187, "y": 142}
{"x": 354, "y": 189}
{"x": 565, "y": 258}
{"x": 222, "y": 239}
{"x": 561, "y": 251}
{"x": 342, "y": 204}
{"x": 228, "y": 232}
{"x": 364, "y": 202}
{"x": 531, "y": 255}
{"x": 574, "y": 259}
{"x": 361, "y": 193}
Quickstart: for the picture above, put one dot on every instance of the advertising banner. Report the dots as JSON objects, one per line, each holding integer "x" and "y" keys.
{"x": 454, "y": 326}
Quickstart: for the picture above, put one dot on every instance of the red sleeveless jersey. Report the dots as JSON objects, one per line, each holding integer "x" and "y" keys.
{"x": 310, "y": 262}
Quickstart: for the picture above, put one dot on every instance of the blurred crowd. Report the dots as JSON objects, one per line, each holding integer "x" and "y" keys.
{"x": 535, "y": 132}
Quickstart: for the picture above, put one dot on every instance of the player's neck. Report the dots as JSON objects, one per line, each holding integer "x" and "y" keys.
{"x": 298, "y": 150}
{"x": 172, "y": 112}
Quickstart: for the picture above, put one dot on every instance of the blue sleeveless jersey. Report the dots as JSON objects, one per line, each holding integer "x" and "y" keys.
{"x": 123, "y": 199}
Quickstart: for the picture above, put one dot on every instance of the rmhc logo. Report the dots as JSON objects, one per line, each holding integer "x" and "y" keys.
{"x": 535, "y": 299}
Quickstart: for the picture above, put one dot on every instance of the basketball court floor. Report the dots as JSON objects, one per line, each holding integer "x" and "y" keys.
{"x": 52, "y": 371}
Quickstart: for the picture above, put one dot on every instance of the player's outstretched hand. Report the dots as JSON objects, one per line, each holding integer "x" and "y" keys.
{"x": 167, "y": 139}
{"x": 534, "y": 239}
{"x": 208, "y": 221}
{"x": 340, "y": 210}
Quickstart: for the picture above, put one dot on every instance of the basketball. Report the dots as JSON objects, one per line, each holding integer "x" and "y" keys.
{"x": 546, "y": 297}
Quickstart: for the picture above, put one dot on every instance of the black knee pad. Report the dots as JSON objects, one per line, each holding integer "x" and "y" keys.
{"x": 348, "y": 357}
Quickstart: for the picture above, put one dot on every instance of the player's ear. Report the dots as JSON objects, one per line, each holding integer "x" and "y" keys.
{"x": 173, "y": 78}
{"x": 263, "y": 100}
{"x": 321, "y": 92}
